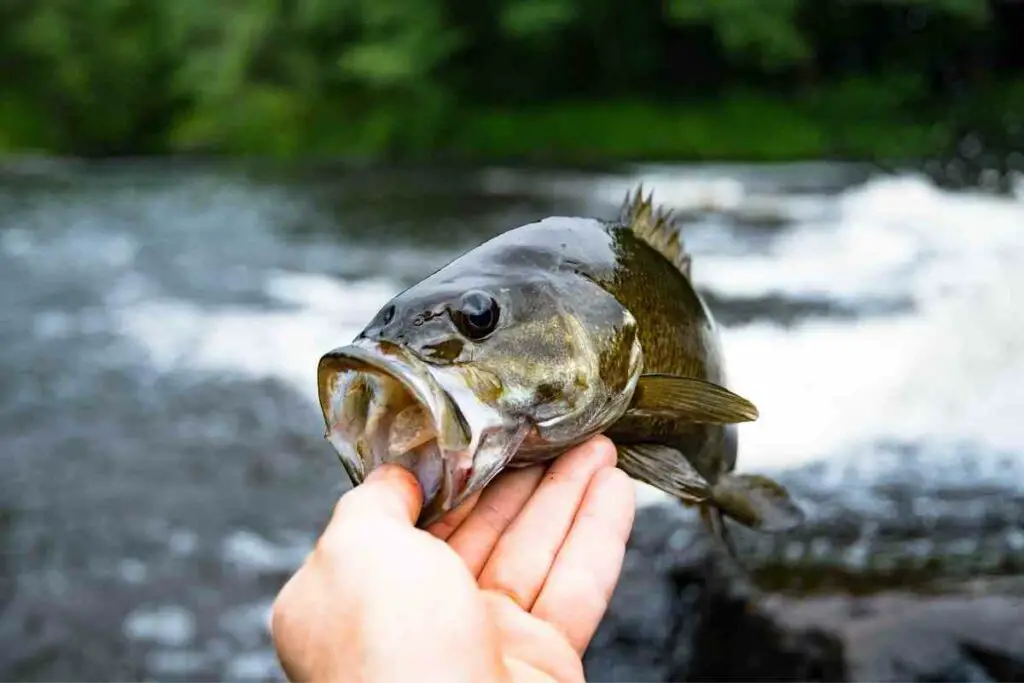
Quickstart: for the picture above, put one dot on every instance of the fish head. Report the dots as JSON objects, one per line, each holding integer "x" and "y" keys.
{"x": 455, "y": 377}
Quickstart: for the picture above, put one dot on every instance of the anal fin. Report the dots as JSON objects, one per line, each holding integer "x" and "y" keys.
{"x": 665, "y": 469}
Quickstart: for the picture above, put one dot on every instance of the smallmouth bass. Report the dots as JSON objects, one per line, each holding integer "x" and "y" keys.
{"x": 537, "y": 340}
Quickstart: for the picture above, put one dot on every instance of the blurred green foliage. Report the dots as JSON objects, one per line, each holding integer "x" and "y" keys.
{"x": 580, "y": 79}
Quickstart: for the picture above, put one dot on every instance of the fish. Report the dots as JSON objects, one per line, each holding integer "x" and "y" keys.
{"x": 537, "y": 340}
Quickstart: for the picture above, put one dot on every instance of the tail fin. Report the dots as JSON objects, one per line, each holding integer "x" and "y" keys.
{"x": 752, "y": 500}
{"x": 757, "y": 502}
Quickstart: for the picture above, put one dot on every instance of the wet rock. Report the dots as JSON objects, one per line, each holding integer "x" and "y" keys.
{"x": 902, "y": 637}
{"x": 735, "y": 639}
{"x": 680, "y": 612}
{"x": 683, "y": 612}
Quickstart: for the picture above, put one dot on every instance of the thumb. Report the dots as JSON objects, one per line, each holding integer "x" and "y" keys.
{"x": 389, "y": 492}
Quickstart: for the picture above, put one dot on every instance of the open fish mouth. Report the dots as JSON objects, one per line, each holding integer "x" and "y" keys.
{"x": 381, "y": 404}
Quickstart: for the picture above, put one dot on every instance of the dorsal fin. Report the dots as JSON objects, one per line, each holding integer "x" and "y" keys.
{"x": 656, "y": 227}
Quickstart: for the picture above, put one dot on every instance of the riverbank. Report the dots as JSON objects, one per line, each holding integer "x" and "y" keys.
{"x": 863, "y": 121}
{"x": 741, "y": 127}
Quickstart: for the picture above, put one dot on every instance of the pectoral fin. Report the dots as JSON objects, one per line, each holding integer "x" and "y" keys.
{"x": 665, "y": 469}
{"x": 689, "y": 399}
{"x": 757, "y": 502}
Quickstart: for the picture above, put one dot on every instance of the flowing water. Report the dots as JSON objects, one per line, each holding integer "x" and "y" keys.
{"x": 162, "y": 466}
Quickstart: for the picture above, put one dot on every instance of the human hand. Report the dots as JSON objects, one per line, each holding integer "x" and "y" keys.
{"x": 509, "y": 587}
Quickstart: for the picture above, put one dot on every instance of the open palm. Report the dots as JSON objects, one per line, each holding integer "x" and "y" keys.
{"x": 509, "y": 587}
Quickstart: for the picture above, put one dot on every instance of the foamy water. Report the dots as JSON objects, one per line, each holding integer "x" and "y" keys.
{"x": 952, "y": 368}
{"x": 255, "y": 342}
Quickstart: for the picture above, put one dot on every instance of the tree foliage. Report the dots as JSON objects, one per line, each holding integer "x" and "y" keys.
{"x": 116, "y": 76}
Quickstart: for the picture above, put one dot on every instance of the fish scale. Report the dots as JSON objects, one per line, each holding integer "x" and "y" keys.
{"x": 553, "y": 332}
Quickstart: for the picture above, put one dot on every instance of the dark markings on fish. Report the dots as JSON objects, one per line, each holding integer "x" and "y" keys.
{"x": 545, "y": 392}
{"x": 615, "y": 355}
{"x": 446, "y": 350}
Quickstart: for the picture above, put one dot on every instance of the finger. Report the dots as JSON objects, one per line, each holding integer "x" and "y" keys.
{"x": 474, "y": 540}
{"x": 524, "y": 554}
{"x": 444, "y": 527}
{"x": 532, "y": 644}
{"x": 295, "y": 613}
{"x": 390, "y": 492}
{"x": 576, "y": 593}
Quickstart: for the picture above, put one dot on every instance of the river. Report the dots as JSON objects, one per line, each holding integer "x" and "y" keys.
{"x": 162, "y": 466}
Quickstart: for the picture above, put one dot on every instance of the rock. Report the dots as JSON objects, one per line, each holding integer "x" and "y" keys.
{"x": 735, "y": 639}
{"x": 903, "y": 637}
{"x": 681, "y": 612}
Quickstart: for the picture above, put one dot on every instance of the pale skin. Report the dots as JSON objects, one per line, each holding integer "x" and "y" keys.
{"x": 508, "y": 588}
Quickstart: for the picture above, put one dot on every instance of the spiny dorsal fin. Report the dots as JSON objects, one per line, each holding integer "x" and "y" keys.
{"x": 656, "y": 227}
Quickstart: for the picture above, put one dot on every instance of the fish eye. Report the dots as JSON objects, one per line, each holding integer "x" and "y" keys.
{"x": 387, "y": 315}
{"x": 477, "y": 315}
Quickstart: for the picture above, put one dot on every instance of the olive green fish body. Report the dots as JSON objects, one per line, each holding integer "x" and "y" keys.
{"x": 678, "y": 337}
{"x": 569, "y": 357}
{"x": 535, "y": 341}
{"x": 688, "y": 451}
{"x": 644, "y": 298}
